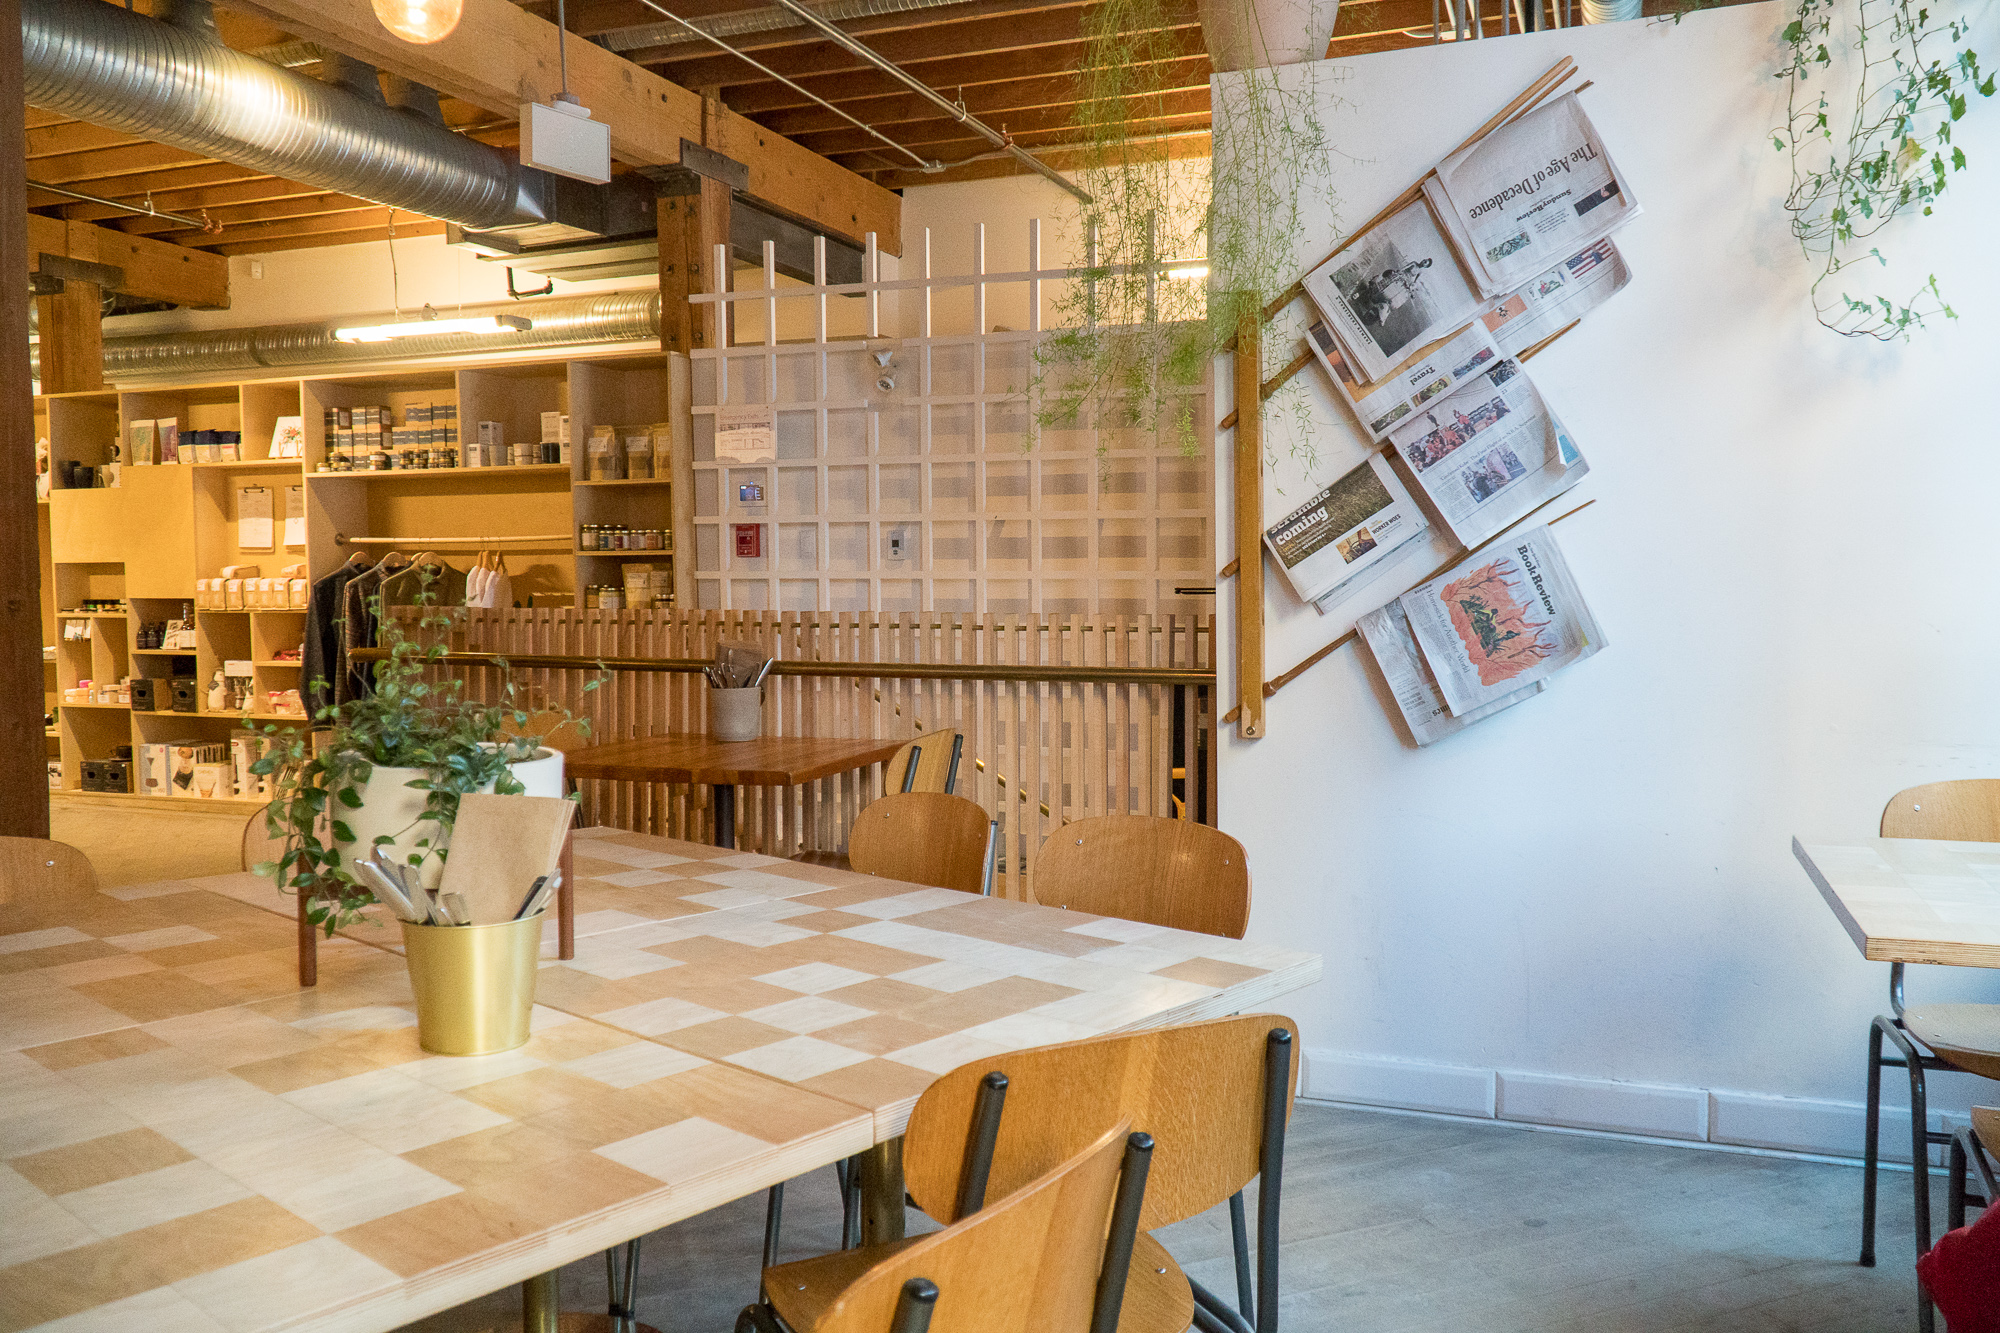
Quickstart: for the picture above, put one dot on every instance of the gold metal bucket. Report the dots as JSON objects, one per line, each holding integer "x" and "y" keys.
{"x": 475, "y": 985}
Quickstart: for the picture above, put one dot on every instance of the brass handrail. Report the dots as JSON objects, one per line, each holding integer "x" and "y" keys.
{"x": 1027, "y": 673}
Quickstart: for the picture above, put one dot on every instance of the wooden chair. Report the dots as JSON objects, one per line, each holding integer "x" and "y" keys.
{"x": 1165, "y": 872}
{"x": 1037, "y": 1261}
{"x": 259, "y": 844}
{"x": 1964, "y": 1037}
{"x": 1216, "y": 1098}
{"x": 925, "y": 837}
{"x": 1976, "y": 1145}
{"x": 928, "y": 763}
{"x": 36, "y": 870}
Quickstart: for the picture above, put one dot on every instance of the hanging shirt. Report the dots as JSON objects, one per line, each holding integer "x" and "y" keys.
{"x": 322, "y": 661}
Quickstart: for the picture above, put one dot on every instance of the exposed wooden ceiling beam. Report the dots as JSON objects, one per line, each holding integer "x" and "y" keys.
{"x": 946, "y": 140}
{"x": 267, "y": 242}
{"x": 501, "y": 56}
{"x": 154, "y": 270}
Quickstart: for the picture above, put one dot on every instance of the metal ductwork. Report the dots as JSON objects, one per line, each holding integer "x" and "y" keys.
{"x": 176, "y": 83}
{"x": 567, "y": 322}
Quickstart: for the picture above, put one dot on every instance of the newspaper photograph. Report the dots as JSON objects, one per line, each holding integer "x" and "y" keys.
{"x": 1386, "y": 631}
{"x": 1489, "y": 453}
{"x": 1437, "y": 369}
{"x": 1530, "y": 194}
{"x": 1394, "y": 289}
{"x": 1507, "y": 618}
{"x": 1550, "y": 301}
{"x": 1347, "y": 530}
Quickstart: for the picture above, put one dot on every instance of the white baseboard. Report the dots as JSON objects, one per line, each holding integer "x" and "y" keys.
{"x": 1817, "y": 1127}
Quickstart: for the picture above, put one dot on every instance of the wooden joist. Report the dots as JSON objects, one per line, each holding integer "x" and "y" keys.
{"x": 154, "y": 270}
{"x": 501, "y": 56}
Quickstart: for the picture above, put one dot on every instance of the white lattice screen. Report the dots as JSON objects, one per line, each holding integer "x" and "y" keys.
{"x": 1083, "y": 521}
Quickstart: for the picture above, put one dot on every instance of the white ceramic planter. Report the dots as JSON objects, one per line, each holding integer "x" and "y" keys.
{"x": 390, "y": 806}
{"x": 1247, "y": 34}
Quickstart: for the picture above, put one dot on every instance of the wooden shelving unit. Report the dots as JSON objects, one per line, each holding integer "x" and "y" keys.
{"x": 148, "y": 539}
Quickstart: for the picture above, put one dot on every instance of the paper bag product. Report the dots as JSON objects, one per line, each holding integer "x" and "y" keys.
{"x": 143, "y": 448}
{"x": 601, "y": 455}
{"x": 499, "y": 846}
{"x": 639, "y": 457}
{"x": 168, "y": 435}
{"x": 663, "y": 449}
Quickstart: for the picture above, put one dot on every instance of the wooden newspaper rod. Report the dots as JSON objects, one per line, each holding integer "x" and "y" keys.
{"x": 1273, "y": 686}
{"x": 1026, "y": 673}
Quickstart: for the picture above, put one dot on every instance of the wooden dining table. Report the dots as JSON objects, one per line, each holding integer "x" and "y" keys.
{"x": 189, "y": 1140}
{"x": 1911, "y": 900}
{"x": 723, "y": 766}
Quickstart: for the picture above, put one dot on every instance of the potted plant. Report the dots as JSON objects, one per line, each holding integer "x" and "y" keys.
{"x": 389, "y": 768}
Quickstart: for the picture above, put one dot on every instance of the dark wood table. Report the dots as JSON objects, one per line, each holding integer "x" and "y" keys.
{"x": 771, "y": 761}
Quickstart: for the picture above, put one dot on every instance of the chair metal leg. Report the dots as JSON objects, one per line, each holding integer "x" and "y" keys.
{"x": 1125, "y": 1209}
{"x": 1270, "y": 1173}
{"x": 621, "y": 1281}
{"x": 1920, "y": 1138}
{"x": 1214, "y": 1314}
{"x": 1239, "y": 1235}
{"x": 774, "y": 1218}
{"x": 988, "y": 1103}
{"x": 850, "y": 1213}
{"x": 1871, "y": 1133}
{"x": 916, "y": 1302}
{"x": 1954, "y": 1208}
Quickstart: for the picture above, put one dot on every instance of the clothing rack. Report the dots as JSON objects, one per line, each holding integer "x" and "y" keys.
{"x": 562, "y": 539}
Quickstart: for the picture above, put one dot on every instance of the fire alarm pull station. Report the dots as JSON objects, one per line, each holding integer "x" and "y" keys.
{"x": 749, "y": 541}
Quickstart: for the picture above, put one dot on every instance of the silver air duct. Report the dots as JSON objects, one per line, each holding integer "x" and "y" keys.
{"x": 275, "y": 349}
{"x": 173, "y": 83}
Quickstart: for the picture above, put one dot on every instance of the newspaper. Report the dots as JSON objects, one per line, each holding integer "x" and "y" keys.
{"x": 1551, "y": 300}
{"x": 1386, "y": 631}
{"x": 1437, "y": 369}
{"x": 1350, "y": 528}
{"x": 1507, "y": 618}
{"x": 1489, "y": 453}
{"x": 1396, "y": 287}
{"x": 1530, "y": 194}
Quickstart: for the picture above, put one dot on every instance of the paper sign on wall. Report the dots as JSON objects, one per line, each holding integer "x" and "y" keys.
{"x": 253, "y": 518}
{"x": 295, "y": 516}
{"x": 746, "y": 435}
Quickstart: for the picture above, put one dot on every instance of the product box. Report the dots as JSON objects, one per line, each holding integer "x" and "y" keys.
{"x": 143, "y": 448}
{"x": 245, "y": 749}
{"x": 167, "y": 433}
{"x": 232, "y": 595}
{"x": 55, "y": 775}
{"x": 213, "y": 782}
{"x": 552, "y": 426}
{"x": 107, "y": 775}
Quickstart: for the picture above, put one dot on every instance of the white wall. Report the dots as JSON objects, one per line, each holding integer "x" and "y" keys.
{"x": 1585, "y": 910}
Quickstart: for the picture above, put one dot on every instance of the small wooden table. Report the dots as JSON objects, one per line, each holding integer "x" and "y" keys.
{"x": 772, "y": 761}
{"x": 1912, "y": 900}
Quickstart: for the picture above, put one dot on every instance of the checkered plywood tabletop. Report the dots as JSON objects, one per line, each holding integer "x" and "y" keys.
{"x": 866, "y": 989}
{"x": 301, "y": 1159}
{"x": 1911, "y": 900}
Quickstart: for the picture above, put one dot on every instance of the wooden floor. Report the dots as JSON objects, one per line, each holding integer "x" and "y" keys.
{"x": 135, "y": 844}
{"x": 1406, "y": 1223}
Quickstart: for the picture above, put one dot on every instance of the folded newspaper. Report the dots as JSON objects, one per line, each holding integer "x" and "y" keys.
{"x": 1530, "y": 194}
{"x": 1507, "y": 618}
{"x": 1394, "y": 288}
{"x": 1552, "y": 300}
{"x": 1437, "y": 369}
{"x": 1386, "y": 631}
{"x": 1488, "y": 454}
{"x": 1349, "y": 529}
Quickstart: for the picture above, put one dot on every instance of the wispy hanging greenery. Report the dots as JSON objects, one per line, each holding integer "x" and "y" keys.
{"x": 1132, "y": 342}
{"x": 1887, "y": 136}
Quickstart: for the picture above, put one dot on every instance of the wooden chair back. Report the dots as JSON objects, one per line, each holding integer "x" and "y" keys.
{"x": 1027, "y": 1263}
{"x": 1165, "y": 872}
{"x": 924, "y": 837}
{"x": 36, "y": 870}
{"x": 937, "y": 758}
{"x": 259, "y": 843}
{"x": 1198, "y": 1090}
{"x": 1963, "y": 810}
{"x": 1986, "y": 1125}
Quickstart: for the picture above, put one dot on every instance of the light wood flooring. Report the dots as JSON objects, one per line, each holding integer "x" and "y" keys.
{"x": 134, "y": 844}
{"x": 1406, "y": 1223}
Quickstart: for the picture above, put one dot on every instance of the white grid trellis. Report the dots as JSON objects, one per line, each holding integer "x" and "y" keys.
{"x": 938, "y": 467}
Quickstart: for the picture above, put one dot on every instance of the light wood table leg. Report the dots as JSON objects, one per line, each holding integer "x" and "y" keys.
{"x": 882, "y": 1193}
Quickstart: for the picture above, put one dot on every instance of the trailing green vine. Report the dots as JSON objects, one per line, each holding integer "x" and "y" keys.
{"x": 1888, "y": 137}
{"x": 413, "y": 719}
{"x": 1132, "y": 341}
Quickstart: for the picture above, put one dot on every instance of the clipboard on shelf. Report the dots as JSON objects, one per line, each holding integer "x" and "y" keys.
{"x": 253, "y": 519}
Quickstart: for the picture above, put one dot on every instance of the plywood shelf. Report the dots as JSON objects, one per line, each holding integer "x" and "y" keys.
{"x": 625, "y": 555}
{"x": 454, "y": 473}
{"x": 629, "y": 481}
{"x": 224, "y": 803}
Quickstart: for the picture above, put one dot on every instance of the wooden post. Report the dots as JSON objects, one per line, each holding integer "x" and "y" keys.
{"x": 1249, "y": 530}
{"x": 72, "y": 338}
{"x": 24, "y": 783}
{"x": 692, "y": 215}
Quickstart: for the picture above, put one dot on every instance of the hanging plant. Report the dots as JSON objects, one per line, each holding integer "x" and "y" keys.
{"x": 1887, "y": 140}
{"x": 1138, "y": 328}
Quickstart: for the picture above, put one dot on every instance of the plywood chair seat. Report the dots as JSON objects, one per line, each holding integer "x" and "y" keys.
{"x": 1968, "y": 1035}
{"x": 1164, "y": 872}
{"x": 1157, "y": 1296}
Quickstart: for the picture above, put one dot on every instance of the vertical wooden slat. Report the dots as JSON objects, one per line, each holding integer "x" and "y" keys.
{"x": 1249, "y": 528}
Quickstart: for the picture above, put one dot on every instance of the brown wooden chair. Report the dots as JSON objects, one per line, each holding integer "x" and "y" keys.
{"x": 1038, "y": 1261}
{"x": 1976, "y": 1145}
{"x": 37, "y": 870}
{"x": 928, "y": 763}
{"x": 1215, "y": 1096}
{"x": 1962, "y": 1037}
{"x": 1165, "y": 872}
{"x": 259, "y": 843}
{"x": 925, "y": 837}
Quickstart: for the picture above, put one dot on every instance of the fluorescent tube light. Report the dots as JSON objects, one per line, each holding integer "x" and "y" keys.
{"x": 1192, "y": 273}
{"x": 419, "y": 328}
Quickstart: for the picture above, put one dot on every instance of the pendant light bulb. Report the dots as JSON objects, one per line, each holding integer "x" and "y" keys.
{"x": 420, "y": 21}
